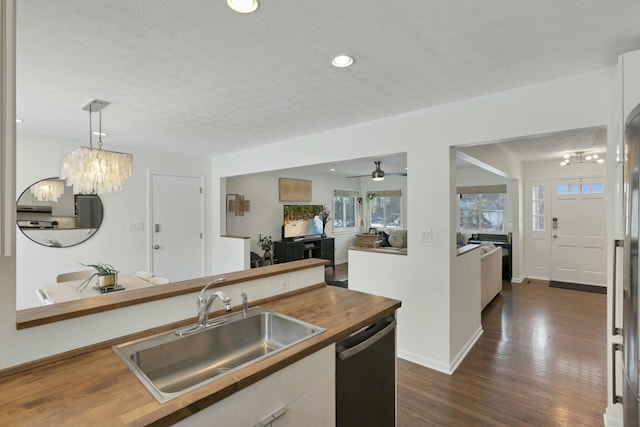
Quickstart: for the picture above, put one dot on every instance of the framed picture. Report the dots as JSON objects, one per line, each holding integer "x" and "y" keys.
{"x": 373, "y": 230}
{"x": 295, "y": 190}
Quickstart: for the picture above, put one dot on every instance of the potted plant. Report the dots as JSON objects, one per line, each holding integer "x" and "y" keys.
{"x": 265, "y": 244}
{"x": 325, "y": 216}
{"x": 107, "y": 276}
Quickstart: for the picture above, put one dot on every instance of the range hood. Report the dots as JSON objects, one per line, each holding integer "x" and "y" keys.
{"x": 34, "y": 208}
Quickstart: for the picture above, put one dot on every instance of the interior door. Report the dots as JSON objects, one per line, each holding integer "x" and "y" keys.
{"x": 578, "y": 228}
{"x": 177, "y": 226}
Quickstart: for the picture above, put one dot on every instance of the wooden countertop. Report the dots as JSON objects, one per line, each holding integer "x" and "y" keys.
{"x": 96, "y": 388}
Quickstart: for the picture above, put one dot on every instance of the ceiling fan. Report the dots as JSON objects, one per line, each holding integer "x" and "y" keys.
{"x": 378, "y": 174}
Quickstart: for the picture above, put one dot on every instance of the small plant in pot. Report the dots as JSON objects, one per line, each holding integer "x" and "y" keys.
{"x": 265, "y": 244}
{"x": 107, "y": 276}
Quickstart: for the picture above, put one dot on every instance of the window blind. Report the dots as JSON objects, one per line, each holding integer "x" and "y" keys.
{"x": 345, "y": 193}
{"x": 385, "y": 193}
{"x": 482, "y": 189}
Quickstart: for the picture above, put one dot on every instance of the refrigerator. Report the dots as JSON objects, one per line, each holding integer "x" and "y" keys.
{"x": 630, "y": 296}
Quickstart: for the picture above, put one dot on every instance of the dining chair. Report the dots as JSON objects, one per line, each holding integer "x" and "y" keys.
{"x": 74, "y": 275}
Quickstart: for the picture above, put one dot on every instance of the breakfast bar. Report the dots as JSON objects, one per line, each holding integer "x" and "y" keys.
{"x": 96, "y": 388}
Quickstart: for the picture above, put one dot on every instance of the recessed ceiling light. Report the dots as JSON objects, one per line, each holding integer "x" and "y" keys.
{"x": 99, "y": 133}
{"x": 243, "y": 6}
{"x": 332, "y": 169}
{"x": 342, "y": 61}
{"x": 18, "y": 120}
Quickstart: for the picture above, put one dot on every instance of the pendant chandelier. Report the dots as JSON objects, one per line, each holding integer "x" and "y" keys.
{"x": 94, "y": 170}
{"x": 48, "y": 190}
{"x": 580, "y": 157}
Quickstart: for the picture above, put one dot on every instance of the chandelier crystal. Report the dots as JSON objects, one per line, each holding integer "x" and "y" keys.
{"x": 94, "y": 170}
{"x": 48, "y": 190}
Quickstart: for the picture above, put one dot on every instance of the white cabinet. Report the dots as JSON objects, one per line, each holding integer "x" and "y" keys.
{"x": 305, "y": 391}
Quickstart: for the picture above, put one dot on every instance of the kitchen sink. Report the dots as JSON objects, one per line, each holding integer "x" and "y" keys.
{"x": 170, "y": 365}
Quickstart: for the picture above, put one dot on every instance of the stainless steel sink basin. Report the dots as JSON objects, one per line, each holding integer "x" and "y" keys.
{"x": 169, "y": 365}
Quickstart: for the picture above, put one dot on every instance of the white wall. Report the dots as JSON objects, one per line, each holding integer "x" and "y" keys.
{"x": 40, "y": 157}
{"x": 266, "y": 212}
{"x": 493, "y": 158}
{"x": 422, "y": 278}
{"x": 465, "y": 315}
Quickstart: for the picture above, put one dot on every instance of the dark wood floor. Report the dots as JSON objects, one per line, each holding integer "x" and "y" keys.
{"x": 341, "y": 272}
{"x": 541, "y": 361}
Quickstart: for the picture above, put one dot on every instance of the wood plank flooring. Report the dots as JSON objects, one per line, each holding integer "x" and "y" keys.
{"x": 541, "y": 361}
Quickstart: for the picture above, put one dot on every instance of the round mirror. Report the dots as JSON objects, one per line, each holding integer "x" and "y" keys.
{"x": 49, "y": 214}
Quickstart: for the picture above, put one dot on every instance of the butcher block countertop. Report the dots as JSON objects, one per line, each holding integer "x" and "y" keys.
{"x": 96, "y": 388}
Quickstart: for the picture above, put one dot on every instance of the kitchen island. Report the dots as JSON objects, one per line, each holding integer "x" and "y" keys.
{"x": 96, "y": 388}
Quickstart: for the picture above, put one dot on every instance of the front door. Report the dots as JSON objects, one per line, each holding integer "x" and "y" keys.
{"x": 578, "y": 229}
{"x": 177, "y": 226}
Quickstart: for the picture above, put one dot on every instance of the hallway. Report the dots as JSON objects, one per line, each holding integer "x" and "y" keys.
{"x": 541, "y": 361}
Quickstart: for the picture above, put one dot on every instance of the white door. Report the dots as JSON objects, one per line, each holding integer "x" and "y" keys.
{"x": 538, "y": 223}
{"x": 578, "y": 228}
{"x": 177, "y": 226}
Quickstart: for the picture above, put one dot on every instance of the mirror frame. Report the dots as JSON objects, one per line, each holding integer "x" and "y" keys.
{"x": 43, "y": 243}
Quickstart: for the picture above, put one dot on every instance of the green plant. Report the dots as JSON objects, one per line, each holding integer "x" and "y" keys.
{"x": 326, "y": 215}
{"x": 265, "y": 243}
{"x": 101, "y": 270}
{"x": 54, "y": 243}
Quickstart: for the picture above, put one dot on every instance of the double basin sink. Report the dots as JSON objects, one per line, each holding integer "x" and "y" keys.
{"x": 170, "y": 365}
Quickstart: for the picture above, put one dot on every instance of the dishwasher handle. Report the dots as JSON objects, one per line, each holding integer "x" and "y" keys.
{"x": 345, "y": 353}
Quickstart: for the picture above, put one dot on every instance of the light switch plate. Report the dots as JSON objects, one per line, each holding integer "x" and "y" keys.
{"x": 426, "y": 235}
{"x": 135, "y": 226}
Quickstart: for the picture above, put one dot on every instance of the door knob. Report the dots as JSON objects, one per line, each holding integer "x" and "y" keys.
{"x": 156, "y": 246}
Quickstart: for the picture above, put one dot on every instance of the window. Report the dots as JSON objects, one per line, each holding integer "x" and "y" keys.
{"x": 537, "y": 205}
{"x": 585, "y": 188}
{"x": 481, "y": 208}
{"x": 344, "y": 209}
{"x": 384, "y": 209}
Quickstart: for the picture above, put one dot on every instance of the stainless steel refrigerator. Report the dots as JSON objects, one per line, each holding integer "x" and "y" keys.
{"x": 630, "y": 351}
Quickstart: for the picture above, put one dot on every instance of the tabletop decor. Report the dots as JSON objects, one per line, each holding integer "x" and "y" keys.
{"x": 107, "y": 276}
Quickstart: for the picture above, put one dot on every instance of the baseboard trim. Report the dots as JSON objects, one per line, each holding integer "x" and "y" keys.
{"x": 612, "y": 416}
{"x": 466, "y": 349}
{"x": 424, "y": 361}
{"x": 439, "y": 366}
{"x": 518, "y": 279}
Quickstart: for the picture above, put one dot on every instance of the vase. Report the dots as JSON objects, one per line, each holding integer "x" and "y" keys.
{"x": 107, "y": 280}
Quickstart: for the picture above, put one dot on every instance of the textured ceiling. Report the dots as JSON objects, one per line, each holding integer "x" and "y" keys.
{"x": 193, "y": 76}
{"x": 555, "y": 145}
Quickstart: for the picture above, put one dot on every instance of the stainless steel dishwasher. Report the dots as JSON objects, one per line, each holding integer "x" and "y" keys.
{"x": 366, "y": 376}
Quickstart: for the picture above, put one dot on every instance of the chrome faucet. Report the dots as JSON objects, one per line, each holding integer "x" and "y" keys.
{"x": 245, "y": 305}
{"x": 204, "y": 303}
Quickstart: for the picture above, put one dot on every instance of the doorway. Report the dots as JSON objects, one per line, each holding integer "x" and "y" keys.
{"x": 578, "y": 231}
{"x": 177, "y": 226}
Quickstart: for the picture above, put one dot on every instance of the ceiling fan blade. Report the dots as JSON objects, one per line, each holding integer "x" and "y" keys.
{"x": 385, "y": 174}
